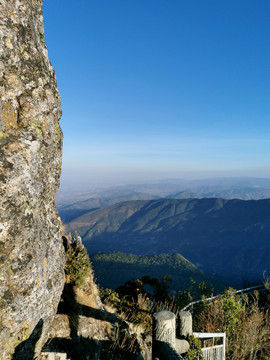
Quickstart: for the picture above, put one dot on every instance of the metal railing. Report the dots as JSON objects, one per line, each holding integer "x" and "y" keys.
{"x": 214, "y": 351}
{"x": 251, "y": 289}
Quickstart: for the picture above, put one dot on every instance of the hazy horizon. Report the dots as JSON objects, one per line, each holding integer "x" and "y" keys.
{"x": 85, "y": 184}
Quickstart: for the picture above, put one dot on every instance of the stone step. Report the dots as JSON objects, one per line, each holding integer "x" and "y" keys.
{"x": 53, "y": 356}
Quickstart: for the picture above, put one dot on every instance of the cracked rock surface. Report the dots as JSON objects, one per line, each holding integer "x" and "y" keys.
{"x": 31, "y": 251}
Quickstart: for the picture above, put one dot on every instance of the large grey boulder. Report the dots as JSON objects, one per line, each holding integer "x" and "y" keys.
{"x": 31, "y": 251}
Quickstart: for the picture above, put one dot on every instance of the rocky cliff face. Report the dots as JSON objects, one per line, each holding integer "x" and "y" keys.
{"x": 31, "y": 253}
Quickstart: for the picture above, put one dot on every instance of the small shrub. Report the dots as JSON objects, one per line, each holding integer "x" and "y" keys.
{"x": 109, "y": 297}
{"x": 195, "y": 350}
{"x": 78, "y": 264}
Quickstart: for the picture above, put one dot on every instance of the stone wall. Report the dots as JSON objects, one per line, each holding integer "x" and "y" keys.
{"x": 31, "y": 252}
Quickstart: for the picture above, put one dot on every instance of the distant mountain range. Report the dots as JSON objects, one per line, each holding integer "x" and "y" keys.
{"x": 99, "y": 200}
{"x": 72, "y": 204}
{"x": 229, "y": 239}
{"x": 253, "y": 193}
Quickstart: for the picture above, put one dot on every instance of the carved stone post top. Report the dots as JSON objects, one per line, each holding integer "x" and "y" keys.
{"x": 184, "y": 313}
{"x": 164, "y": 315}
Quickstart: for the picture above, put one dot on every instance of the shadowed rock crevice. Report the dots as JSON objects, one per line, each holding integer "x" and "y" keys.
{"x": 86, "y": 332}
{"x": 25, "y": 350}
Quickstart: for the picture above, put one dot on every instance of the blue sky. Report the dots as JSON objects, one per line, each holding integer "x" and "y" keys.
{"x": 161, "y": 88}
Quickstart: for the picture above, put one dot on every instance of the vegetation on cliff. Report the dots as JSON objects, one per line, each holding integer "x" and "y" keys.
{"x": 78, "y": 264}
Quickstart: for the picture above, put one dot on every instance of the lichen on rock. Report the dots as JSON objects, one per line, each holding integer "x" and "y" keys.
{"x": 31, "y": 251}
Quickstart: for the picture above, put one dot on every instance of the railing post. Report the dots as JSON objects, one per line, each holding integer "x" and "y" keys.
{"x": 184, "y": 329}
{"x": 164, "y": 340}
{"x": 164, "y": 327}
{"x": 224, "y": 346}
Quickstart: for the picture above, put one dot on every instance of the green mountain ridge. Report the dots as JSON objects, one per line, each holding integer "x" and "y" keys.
{"x": 124, "y": 267}
{"x": 74, "y": 203}
{"x": 228, "y": 239}
{"x": 68, "y": 212}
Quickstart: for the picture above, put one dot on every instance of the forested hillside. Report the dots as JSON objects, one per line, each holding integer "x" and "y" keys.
{"x": 228, "y": 239}
{"x": 124, "y": 267}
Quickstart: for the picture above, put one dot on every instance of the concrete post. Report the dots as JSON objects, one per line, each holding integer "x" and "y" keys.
{"x": 164, "y": 327}
{"x": 164, "y": 336}
{"x": 185, "y": 324}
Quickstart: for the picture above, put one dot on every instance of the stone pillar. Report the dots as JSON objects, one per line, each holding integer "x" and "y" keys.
{"x": 185, "y": 324}
{"x": 164, "y": 336}
{"x": 164, "y": 327}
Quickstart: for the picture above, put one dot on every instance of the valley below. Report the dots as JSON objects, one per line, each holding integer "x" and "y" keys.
{"x": 226, "y": 239}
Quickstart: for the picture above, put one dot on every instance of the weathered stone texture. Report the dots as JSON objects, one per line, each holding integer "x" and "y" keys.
{"x": 185, "y": 324}
{"x": 31, "y": 253}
